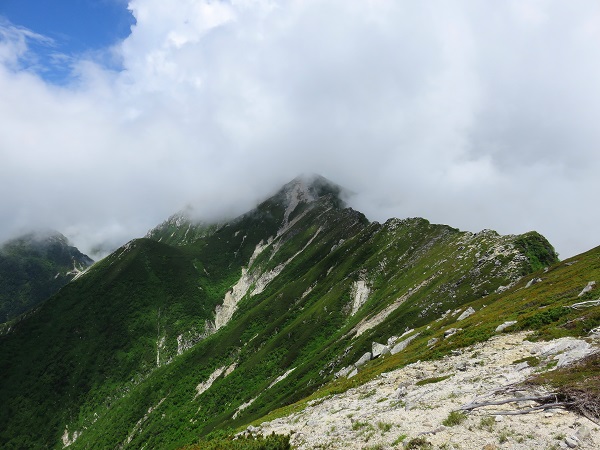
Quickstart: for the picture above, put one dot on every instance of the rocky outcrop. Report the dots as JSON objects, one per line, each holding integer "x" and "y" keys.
{"x": 395, "y": 408}
{"x": 360, "y": 294}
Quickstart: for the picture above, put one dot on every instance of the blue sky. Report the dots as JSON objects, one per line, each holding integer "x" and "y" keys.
{"x": 469, "y": 113}
{"x": 73, "y": 27}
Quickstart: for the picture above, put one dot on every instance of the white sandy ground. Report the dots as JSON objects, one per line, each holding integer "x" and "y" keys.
{"x": 377, "y": 413}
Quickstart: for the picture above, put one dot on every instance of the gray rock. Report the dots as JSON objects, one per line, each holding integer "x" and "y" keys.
{"x": 344, "y": 371}
{"x": 505, "y": 325}
{"x": 363, "y": 359}
{"x": 466, "y": 313}
{"x": 354, "y": 372}
{"x": 392, "y": 340}
{"x": 572, "y": 442}
{"x": 431, "y": 342}
{"x": 533, "y": 281}
{"x": 451, "y": 331}
{"x": 400, "y": 392}
{"x": 462, "y": 367}
{"x": 587, "y": 289}
{"x": 521, "y": 366}
{"x": 502, "y": 289}
{"x": 379, "y": 349}
{"x": 567, "y": 350}
{"x": 403, "y": 344}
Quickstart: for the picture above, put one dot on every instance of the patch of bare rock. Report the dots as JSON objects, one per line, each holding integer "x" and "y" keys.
{"x": 412, "y": 402}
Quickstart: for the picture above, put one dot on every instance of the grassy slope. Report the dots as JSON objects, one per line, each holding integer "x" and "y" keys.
{"x": 87, "y": 344}
{"x": 280, "y": 329}
{"x": 542, "y": 308}
{"x": 86, "y": 347}
{"x": 99, "y": 373}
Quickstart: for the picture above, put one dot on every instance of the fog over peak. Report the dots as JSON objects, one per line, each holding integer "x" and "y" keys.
{"x": 471, "y": 114}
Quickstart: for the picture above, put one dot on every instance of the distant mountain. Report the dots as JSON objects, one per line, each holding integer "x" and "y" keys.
{"x": 33, "y": 267}
{"x": 198, "y": 328}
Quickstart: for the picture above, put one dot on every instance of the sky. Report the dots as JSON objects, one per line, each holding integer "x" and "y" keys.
{"x": 115, "y": 114}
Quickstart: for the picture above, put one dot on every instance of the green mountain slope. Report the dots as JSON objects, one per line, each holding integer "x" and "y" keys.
{"x": 158, "y": 344}
{"x": 33, "y": 267}
{"x": 556, "y": 302}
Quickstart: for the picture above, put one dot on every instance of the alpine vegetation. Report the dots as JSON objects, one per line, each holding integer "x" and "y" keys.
{"x": 198, "y": 330}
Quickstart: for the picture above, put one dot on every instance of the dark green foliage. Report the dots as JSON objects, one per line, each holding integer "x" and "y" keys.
{"x": 272, "y": 442}
{"x": 537, "y": 249}
{"x": 454, "y": 418}
{"x": 542, "y": 318}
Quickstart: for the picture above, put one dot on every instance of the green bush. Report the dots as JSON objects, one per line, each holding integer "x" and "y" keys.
{"x": 272, "y": 442}
{"x": 454, "y": 418}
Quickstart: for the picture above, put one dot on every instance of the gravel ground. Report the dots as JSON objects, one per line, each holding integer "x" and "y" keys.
{"x": 390, "y": 411}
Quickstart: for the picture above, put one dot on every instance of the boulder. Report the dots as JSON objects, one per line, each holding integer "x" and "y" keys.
{"x": 466, "y": 313}
{"x": 363, "y": 359}
{"x": 450, "y": 331}
{"x": 587, "y": 289}
{"x": 343, "y": 372}
{"x": 533, "y": 281}
{"x": 403, "y": 344}
{"x": 572, "y": 442}
{"x": 505, "y": 325}
{"x": 502, "y": 289}
{"x": 379, "y": 349}
{"x": 567, "y": 350}
{"x": 431, "y": 342}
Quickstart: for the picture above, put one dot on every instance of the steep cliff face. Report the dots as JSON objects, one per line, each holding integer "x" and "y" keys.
{"x": 203, "y": 327}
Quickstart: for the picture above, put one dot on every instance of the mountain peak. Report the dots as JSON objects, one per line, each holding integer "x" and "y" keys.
{"x": 37, "y": 237}
{"x": 307, "y": 188}
{"x": 310, "y": 187}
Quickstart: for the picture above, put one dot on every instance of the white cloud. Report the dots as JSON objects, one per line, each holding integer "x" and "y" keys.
{"x": 476, "y": 115}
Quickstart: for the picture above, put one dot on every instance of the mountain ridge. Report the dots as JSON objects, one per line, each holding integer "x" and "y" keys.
{"x": 294, "y": 279}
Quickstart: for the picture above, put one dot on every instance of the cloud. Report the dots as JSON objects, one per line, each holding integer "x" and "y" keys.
{"x": 478, "y": 116}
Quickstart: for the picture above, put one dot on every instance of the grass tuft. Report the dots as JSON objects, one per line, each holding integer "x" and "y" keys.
{"x": 431, "y": 380}
{"x": 454, "y": 418}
